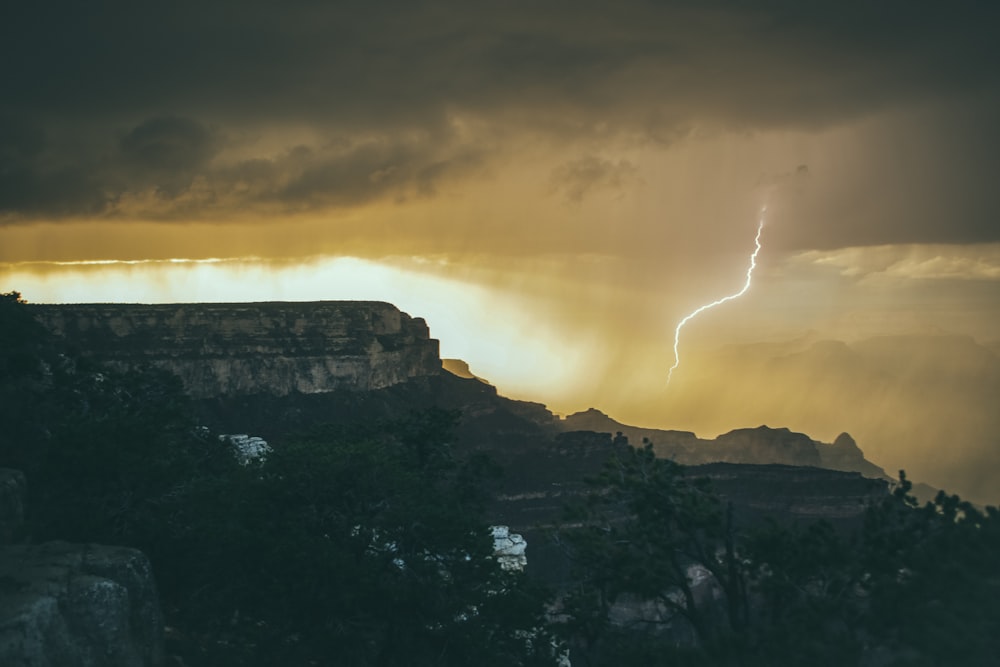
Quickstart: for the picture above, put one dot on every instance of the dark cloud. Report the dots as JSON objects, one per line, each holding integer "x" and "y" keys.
{"x": 124, "y": 98}
{"x": 363, "y": 172}
{"x": 165, "y": 154}
{"x": 168, "y": 144}
{"x": 36, "y": 178}
{"x": 927, "y": 178}
{"x": 776, "y": 60}
{"x": 164, "y": 168}
{"x": 44, "y": 177}
{"x": 19, "y": 141}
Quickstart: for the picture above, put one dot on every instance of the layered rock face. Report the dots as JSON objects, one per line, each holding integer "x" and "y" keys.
{"x": 797, "y": 493}
{"x": 253, "y": 348}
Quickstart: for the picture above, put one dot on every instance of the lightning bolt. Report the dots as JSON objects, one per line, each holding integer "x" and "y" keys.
{"x": 702, "y": 309}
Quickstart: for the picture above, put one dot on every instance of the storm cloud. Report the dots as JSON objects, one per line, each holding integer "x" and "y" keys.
{"x": 214, "y": 111}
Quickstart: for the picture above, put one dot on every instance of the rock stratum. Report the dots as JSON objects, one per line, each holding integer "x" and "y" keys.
{"x": 232, "y": 349}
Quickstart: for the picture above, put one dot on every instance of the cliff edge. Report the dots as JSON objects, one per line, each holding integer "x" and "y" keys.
{"x": 231, "y": 349}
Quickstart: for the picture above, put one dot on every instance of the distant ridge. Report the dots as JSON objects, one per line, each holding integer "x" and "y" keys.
{"x": 747, "y": 445}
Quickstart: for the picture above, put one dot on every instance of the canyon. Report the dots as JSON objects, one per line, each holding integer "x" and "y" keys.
{"x": 271, "y": 370}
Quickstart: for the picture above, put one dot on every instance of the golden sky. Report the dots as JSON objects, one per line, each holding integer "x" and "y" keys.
{"x": 552, "y": 185}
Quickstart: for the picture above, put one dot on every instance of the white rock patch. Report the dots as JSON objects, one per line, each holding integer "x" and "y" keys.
{"x": 247, "y": 448}
{"x": 509, "y": 548}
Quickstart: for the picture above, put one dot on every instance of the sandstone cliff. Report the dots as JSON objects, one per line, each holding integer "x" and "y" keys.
{"x": 253, "y": 348}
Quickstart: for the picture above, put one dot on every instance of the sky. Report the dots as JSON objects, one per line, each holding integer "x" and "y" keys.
{"x": 552, "y": 185}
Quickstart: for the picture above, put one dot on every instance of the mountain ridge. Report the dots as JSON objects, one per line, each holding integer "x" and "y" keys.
{"x": 743, "y": 445}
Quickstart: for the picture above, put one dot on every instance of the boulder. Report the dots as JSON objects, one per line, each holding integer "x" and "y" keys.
{"x": 74, "y": 605}
{"x": 509, "y": 549}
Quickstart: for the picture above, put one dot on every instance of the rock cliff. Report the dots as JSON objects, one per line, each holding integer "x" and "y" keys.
{"x": 73, "y": 605}
{"x": 275, "y": 348}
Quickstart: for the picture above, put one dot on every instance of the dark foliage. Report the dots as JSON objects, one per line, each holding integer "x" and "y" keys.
{"x": 360, "y": 545}
{"x": 647, "y": 537}
{"x": 367, "y": 543}
{"x": 20, "y": 336}
{"x": 663, "y": 576}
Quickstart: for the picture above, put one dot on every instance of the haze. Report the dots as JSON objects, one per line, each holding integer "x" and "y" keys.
{"x": 553, "y": 188}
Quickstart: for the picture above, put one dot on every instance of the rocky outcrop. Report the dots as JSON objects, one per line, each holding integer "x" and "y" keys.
{"x": 253, "y": 348}
{"x": 72, "y": 605}
{"x": 461, "y": 369}
{"x": 765, "y": 445}
{"x": 247, "y": 448}
{"x": 509, "y": 549}
{"x": 844, "y": 454}
{"x": 679, "y": 445}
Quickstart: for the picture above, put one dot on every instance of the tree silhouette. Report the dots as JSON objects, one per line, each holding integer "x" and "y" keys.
{"x": 664, "y": 575}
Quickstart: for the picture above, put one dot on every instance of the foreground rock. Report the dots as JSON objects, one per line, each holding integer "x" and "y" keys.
{"x": 72, "y": 605}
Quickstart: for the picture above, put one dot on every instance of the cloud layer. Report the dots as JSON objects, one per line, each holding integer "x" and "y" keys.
{"x": 585, "y": 173}
{"x": 220, "y": 111}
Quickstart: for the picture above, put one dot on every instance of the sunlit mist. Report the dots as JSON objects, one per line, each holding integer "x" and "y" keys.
{"x": 473, "y": 322}
{"x": 800, "y": 350}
